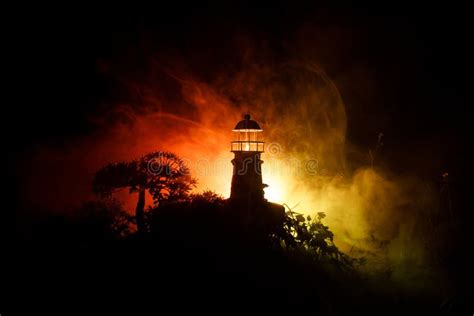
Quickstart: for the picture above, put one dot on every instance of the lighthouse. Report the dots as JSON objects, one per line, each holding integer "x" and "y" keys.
{"x": 247, "y": 197}
{"x": 247, "y": 146}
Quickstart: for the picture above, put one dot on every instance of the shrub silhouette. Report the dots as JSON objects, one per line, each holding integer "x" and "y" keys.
{"x": 312, "y": 236}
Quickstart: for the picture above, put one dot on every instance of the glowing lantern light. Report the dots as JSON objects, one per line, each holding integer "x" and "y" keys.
{"x": 247, "y": 136}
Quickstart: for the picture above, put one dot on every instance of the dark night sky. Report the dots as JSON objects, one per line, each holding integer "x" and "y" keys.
{"x": 419, "y": 54}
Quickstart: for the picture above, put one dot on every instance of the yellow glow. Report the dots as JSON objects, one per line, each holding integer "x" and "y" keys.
{"x": 275, "y": 190}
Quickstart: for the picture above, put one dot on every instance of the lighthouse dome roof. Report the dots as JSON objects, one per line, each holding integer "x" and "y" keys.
{"x": 247, "y": 124}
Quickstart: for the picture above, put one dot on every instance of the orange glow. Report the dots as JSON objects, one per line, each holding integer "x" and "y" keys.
{"x": 304, "y": 163}
{"x": 200, "y": 131}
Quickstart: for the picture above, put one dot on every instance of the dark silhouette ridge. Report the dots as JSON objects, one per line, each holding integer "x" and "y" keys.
{"x": 196, "y": 255}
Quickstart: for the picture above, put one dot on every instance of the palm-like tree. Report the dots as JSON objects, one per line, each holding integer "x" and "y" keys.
{"x": 163, "y": 174}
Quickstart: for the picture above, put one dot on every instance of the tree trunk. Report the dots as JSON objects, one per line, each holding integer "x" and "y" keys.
{"x": 139, "y": 212}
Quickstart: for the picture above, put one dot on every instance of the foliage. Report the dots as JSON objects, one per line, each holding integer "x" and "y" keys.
{"x": 163, "y": 174}
{"x": 206, "y": 198}
{"x": 312, "y": 236}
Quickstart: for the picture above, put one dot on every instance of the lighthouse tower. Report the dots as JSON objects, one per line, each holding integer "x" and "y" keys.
{"x": 247, "y": 146}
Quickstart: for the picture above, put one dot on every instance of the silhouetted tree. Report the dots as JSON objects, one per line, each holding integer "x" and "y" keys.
{"x": 163, "y": 174}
